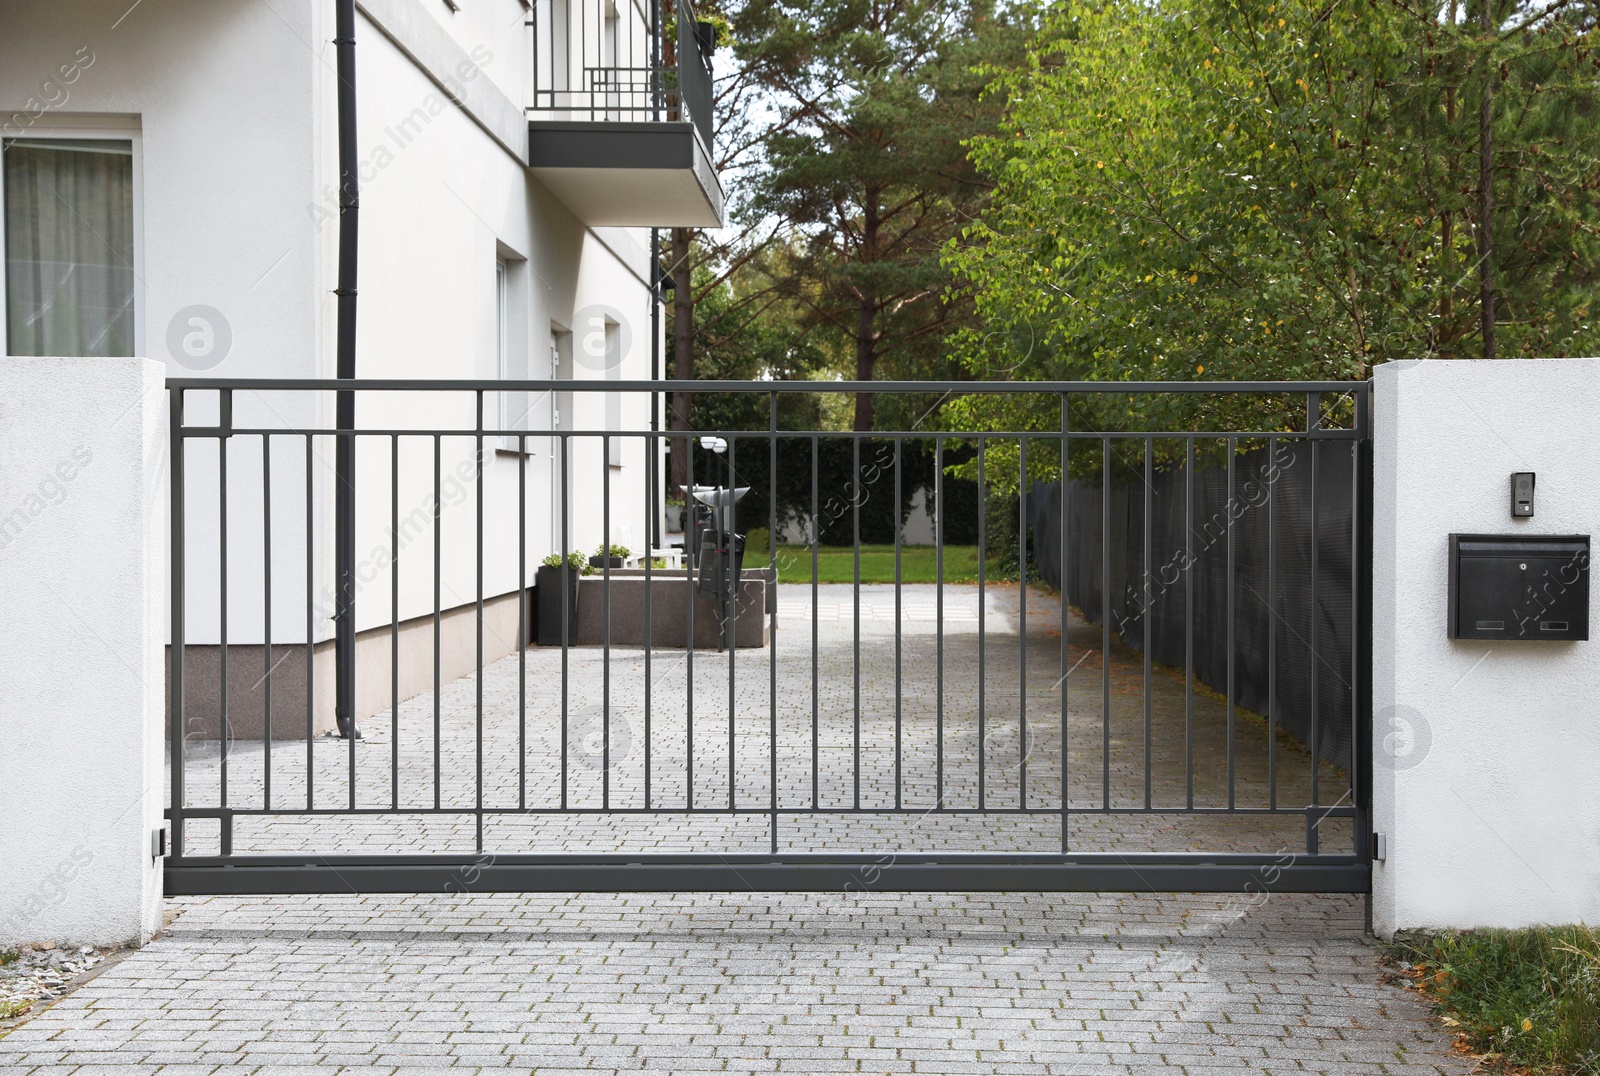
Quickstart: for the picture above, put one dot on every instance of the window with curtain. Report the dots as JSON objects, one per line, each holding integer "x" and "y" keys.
{"x": 68, "y": 246}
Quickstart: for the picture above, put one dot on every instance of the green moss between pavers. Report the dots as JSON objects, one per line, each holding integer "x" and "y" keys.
{"x": 1527, "y": 1000}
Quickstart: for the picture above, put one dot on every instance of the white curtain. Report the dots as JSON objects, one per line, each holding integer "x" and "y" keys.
{"x": 69, "y": 246}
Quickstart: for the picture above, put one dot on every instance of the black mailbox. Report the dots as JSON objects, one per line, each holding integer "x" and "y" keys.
{"x": 1506, "y": 586}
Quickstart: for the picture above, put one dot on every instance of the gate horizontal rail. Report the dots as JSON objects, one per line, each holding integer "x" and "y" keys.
{"x": 932, "y": 737}
{"x": 737, "y": 874}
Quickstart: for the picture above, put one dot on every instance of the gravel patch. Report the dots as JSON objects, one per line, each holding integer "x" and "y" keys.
{"x": 41, "y": 972}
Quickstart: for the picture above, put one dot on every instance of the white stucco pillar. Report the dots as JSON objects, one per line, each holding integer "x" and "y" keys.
{"x": 1486, "y": 773}
{"x": 82, "y": 605}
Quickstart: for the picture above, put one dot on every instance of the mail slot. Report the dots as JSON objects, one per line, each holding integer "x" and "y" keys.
{"x": 1506, "y": 586}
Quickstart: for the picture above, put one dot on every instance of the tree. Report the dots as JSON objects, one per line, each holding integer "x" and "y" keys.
{"x": 866, "y": 163}
{"x": 698, "y": 261}
{"x": 1250, "y": 189}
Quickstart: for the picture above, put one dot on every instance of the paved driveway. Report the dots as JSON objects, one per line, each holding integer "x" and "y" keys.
{"x": 888, "y": 727}
{"x": 745, "y": 983}
{"x": 822, "y": 983}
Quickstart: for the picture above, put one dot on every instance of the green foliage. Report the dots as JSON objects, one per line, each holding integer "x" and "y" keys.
{"x": 575, "y": 561}
{"x": 1244, "y": 189}
{"x": 1531, "y": 997}
{"x": 603, "y": 550}
{"x": 742, "y": 333}
{"x": 757, "y": 545}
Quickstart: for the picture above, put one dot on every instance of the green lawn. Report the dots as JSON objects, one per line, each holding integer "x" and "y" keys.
{"x": 836, "y": 564}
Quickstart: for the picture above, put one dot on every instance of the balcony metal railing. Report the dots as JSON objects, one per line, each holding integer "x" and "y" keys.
{"x": 608, "y": 61}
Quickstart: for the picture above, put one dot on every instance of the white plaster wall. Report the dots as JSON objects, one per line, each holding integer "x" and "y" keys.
{"x": 493, "y": 24}
{"x": 230, "y": 105}
{"x": 233, "y": 109}
{"x": 1487, "y": 754}
{"x": 446, "y": 202}
{"x": 82, "y": 469}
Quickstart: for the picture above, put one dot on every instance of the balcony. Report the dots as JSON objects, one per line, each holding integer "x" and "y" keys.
{"x": 620, "y": 129}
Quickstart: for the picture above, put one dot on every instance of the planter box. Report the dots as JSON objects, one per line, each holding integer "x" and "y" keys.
{"x": 548, "y": 586}
{"x": 671, "y": 592}
{"x": 600, "y": 562}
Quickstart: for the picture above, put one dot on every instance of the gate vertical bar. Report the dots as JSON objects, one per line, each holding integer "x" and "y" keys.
{"x": 1362, "y": 690}
{"x": 899, "y": 700}
{"x": 855, "y": 621}
{"x": 1188, "y": 622}
{"x": 1022, "y": 623}
{"x": 772, "y": 614}
{"x": 394, "y": 622}
{"x": 477, "y": 678}
{"x": 652, "y": 512}
{"x": 223, "y": 439}
{"x": 565, "y": 472}
{"x": 983, "y": 740}
{"x": 522, "y": 622}
{"x": 438, "y": 682}
{"x": 344, "y": 627}
{"x": 816, "y": 714}
{"x": 311, "y": 620}
{"x": 1105, "y": 624}
{"x": 605, "y": 628}
{"x": 1272, "y": 623}
{"x": 175, "y": 558}
{"x": 266, "y": 621}
{"x": 730, "y": 628}
{"x": 1147, "y": 611}
{"x": 1066, "y": 600}
{"x": 693, "y": 551}
{"x": 938, "y": 620}
{"x": 1229, "y": 674}
{"x": 1313, "y": 423}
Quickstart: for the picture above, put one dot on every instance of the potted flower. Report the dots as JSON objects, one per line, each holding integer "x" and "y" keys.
{"x": 550, "y": 582}
{"x": 612, "y": 556}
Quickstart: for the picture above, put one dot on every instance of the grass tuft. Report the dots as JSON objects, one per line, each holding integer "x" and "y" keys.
{"x": 1527, "y": 999}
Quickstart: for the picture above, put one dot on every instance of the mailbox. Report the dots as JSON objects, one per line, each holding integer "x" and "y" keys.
{"x": 1507, "y": 586}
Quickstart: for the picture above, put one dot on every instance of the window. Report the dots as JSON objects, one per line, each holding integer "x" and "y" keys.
{"x": 510, "y": 347}
{"x": 510, "y": 405}
{"x": 613, "y": 399}
{"x": 560, "y": 412}
{"x": 69, "y": 246}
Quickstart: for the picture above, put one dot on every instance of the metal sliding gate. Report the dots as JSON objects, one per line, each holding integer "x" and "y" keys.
{"x": 1178, "y": 701}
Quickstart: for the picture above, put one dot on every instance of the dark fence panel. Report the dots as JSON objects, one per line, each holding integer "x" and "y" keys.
{"x": 1292, "y": 644}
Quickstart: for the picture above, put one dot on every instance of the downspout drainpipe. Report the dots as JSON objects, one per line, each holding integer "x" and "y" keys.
{"x": 344, "y": 504}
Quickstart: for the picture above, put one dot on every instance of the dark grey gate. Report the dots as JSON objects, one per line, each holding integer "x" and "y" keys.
{"x": 1198, "y": 723}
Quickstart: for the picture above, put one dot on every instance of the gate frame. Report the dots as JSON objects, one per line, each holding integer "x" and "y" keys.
{"x": 1145, "y": 872}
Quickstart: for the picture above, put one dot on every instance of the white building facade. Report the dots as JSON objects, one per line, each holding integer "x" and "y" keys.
{"x": 169, "y": 174}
